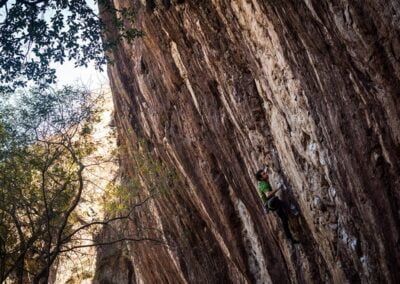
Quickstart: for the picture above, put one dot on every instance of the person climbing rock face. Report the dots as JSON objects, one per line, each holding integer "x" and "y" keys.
{"x": 272, "y": 203}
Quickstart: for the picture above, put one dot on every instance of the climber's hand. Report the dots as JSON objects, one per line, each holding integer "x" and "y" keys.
{"x": 265, "y": 208}
{"x": 272, "y": 193}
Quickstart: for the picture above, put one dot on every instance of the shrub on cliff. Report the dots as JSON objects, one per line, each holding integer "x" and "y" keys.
{"x": 151, "y": 178}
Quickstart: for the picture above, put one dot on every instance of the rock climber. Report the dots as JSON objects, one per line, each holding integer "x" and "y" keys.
{"x": 272, "y": 203}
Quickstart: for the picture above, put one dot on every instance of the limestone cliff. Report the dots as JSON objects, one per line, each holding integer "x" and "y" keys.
{"x": 216, "y": 89}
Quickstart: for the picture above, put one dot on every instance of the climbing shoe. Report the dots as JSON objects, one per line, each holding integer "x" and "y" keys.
{"x": 295, "y": 242}
{"x": 294, "y": 210}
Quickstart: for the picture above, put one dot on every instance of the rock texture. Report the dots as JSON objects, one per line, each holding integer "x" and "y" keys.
{"x": 217, "y": 88}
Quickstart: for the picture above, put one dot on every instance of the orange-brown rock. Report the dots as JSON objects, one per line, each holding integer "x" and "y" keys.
{"x": 217, "y": 88}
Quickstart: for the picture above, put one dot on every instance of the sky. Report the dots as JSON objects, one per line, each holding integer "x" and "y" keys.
{"x": 68, "y": 74}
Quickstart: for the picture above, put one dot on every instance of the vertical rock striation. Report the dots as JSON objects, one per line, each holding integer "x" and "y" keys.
{"x": 217, "y": 88}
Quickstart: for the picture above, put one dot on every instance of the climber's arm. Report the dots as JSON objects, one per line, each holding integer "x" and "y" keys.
{"x": 270, "y": 194}
{"x": 265, "y": 190}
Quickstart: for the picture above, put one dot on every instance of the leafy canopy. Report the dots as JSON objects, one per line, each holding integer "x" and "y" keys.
{"x": 34, "y": 34}
{"x": 44, "y": 146}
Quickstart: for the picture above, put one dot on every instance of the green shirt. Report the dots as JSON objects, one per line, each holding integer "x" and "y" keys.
{"x": 263, "y": 186}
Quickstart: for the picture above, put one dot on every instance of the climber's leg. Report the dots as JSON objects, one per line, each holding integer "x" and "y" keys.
{"x": 274, "y": 203}
{"x": 294, "y": 210}
{"x": 283, "y": 216}
{"x": 290, "y": 208}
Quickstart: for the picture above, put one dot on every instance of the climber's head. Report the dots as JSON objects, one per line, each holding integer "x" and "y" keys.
{"x": 262, "y": 175}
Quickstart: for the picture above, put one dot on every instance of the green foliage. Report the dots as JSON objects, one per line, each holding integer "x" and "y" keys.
{"x": 44, "y": 142}
{"x": 148, "y": 177}
{"x": 79, "y": 275}
{"x": 36, "y": 33}
{"x": 116, "y": 198}
{"x": 86, "y": 275}
{"x": 158, "y": 177}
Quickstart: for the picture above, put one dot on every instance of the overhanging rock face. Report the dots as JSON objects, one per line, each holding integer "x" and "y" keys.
{"x": 220, "y": 87}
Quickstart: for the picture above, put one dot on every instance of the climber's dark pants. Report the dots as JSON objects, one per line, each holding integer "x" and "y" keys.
{"x": 277, "y": 205}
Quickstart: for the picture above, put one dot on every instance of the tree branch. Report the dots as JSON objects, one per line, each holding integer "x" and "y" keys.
{"x": 113, "y": 242}
{"x": 106, "y": 222}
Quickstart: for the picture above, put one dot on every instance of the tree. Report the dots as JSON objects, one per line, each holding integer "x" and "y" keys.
{"x": 45, "y": 148}
{"x": 43, "y": 143}
{"x": 36, "y": 33}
